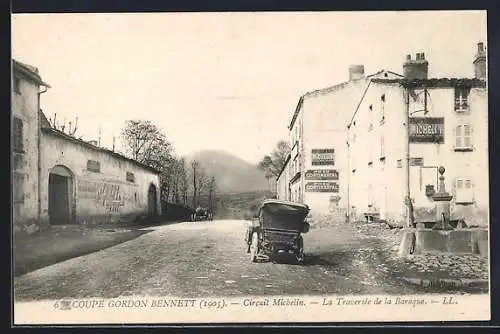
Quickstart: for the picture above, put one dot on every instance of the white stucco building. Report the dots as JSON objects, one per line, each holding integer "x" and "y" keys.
{"x": 447, "y": 126}
{"x": 316, "y": 172}
{"x": 353, "y": 154}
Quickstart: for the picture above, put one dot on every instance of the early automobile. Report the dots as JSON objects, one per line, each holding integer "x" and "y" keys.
{"x": 201, "y": 214}
{"x": 276, "y": 231}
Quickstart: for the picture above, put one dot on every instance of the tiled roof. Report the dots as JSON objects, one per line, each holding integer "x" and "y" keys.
{"x": 435, "y": 82}
{"x": 331, "y": 89}
{"x": 29, "y": 72}
{"x": 60, "y": 134}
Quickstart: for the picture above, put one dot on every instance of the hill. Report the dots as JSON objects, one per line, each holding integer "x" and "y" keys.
{"x": 233, "y": 174}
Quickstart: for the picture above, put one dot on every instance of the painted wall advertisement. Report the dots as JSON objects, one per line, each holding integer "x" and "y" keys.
{"x": 322, "y": 187}
{"x": 321, "y": 174}
{"x": 426, "y": 130}
{"x": 323, "y": 157}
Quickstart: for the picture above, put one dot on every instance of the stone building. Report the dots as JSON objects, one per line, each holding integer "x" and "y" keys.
{"x": 59, "y": 179}
{"x": 404, "y": 129}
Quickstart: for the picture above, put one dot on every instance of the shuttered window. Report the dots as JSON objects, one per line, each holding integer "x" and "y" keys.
{"x": 463, "y": 136}
{"x": 464, "y": 191}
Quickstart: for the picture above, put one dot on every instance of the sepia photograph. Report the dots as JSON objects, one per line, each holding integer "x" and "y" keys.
{"x": 249, "y": 167}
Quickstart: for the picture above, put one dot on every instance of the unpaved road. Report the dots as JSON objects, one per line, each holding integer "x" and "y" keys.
{"x": 201, "y": 259}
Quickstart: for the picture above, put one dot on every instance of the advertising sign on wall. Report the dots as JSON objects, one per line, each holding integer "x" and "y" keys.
{"x": 426, "y": 130}
{"x": 322, "y": 187}
{"x": 323, "y": 157}
{"x": 321, "y": 174}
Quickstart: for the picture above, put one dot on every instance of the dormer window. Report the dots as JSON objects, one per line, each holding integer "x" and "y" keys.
{"x": 461, "y": 99}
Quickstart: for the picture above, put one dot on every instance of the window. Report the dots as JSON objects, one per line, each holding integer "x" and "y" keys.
{"x": 461, "y": 99}
{"x": 17, "y": 85}
{"x": 370, "y": 126}
{"x": 399, "y": 163}
{"x": 94, "y": 166}
{"x": 17, "y": 139}
{"x": 463, "y": 137}
{"x": 130, "y": 177}
{"x": 382, "y": 109}
{"x": 463, "y": 190}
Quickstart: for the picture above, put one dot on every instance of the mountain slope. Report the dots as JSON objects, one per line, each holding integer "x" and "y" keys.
{"x": 233, "y": 174}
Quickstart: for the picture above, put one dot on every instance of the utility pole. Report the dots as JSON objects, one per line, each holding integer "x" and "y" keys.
{"x": 409, "y": 216}
{"x": 99, "y": 141}
{"x": 76, "y": 126}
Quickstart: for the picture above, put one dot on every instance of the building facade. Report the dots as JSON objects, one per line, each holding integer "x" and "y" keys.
{"x": 316, "y": 169}
{"x": 59, "y": 179}
{"x": 405, "y": 129}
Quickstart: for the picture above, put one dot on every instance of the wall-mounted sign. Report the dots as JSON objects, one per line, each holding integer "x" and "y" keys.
{"x": 416, "y": 161}
{"x": 321, "y": 174}
{"x": 322, "y": 187}
{"x": 93, "y": 166}
{"x": 426, "y": 130}
{"x": 323, "y": 157}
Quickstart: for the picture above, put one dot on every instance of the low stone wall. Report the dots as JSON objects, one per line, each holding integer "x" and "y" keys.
{"x": 425, "y": 240}
{"x": 93, "y": 220}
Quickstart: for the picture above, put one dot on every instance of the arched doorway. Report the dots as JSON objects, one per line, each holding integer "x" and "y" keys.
{"x": 152, "y": 200}
{"x": 60, "y": 196}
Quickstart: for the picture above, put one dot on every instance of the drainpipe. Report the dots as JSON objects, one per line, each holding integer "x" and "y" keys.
{"x": 39, "y": 162}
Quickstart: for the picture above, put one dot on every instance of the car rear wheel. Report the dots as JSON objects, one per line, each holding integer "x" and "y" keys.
{"x": 254, "y": 247}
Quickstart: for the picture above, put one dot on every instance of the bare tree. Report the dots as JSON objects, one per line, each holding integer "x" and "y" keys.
{"x": 184, "y": 184}
{"x": 202, "y": 180}
{"x": 145, "y": 142}
{"x": 211, "y": 193}
{"x": 273, "y": 163}
{"x": 179, "y": 181}
{"x": 195, "y": 170}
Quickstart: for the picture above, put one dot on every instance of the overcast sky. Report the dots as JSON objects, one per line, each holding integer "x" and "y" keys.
{"x": 226, "y": 81}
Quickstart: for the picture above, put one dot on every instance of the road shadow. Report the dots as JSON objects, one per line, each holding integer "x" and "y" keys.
{"x": 56, "y": 245}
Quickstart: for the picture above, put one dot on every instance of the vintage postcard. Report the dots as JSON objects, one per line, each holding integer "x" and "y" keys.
{"x": 250, "y": 167}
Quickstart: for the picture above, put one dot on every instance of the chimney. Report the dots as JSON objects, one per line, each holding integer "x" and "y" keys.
{"x": 356, "y": 72}
{"x": 480, "y": 62}
{"x": 416, "y": 68}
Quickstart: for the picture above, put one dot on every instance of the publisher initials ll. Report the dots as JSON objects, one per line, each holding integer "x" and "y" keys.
{"x": 449, "y": 301}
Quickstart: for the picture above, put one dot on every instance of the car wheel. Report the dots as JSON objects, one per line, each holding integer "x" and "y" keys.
{"x": 254, "y": 247}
